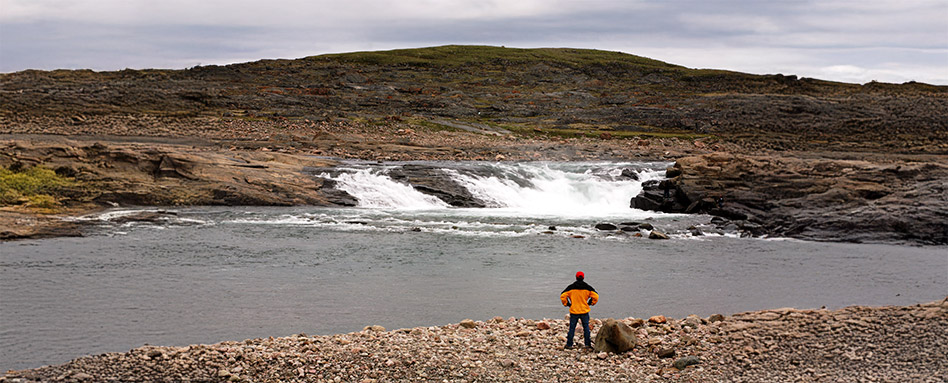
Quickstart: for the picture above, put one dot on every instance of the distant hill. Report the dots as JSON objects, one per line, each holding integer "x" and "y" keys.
{"x": 532, "y": 91}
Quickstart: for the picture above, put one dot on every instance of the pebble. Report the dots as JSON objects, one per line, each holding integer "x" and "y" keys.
{"x": 909, "y": 350}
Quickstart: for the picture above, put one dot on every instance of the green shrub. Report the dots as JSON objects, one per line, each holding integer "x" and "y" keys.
{"x": 35, "y": 186}
{"x": 42, "y": 201}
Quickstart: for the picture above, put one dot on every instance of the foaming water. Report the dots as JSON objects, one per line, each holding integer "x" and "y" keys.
{"x": 375, "y": 190}
{"x": 522, "y": 189}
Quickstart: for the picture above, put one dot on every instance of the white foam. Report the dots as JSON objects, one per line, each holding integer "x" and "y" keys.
{"x": 375, "y": 190}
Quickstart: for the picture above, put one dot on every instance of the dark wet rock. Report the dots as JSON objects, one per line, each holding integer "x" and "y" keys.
{"x": 615, "y": 337}
{"x": 629, "y": 228}
{"x": 606, "y": 227}
{"x": 434, "y": 181}
{"x": 551, "y": 228}
{"x": 695, "y": 231}
{"x": 646, "y": 226}
{"x": 629, "y": 174}
{"x": 145, "y": 216}
{"x": 681, "y": 363}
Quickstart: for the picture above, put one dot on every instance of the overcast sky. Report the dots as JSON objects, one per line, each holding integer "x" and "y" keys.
{"x": 843, "y": 40}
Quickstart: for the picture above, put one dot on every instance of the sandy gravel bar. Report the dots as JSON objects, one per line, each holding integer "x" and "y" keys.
{"x": 854, "y": 344}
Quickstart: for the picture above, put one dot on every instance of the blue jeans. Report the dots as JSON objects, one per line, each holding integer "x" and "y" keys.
{"x": 573, "y": 318}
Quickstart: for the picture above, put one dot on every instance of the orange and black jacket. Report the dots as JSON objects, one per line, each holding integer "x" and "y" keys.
{"x": 579, "y": 296}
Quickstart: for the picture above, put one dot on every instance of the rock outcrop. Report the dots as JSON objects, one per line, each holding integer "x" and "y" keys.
{"x": 161, "y": 174}
{"x": 865, "y": 200}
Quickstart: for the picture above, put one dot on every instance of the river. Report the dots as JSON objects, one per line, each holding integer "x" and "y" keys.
{"x": 403, "y": 259}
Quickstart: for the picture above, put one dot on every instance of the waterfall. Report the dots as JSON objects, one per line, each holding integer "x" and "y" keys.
{"x": 558, "y": 189}
{"x": 376, "y": 190}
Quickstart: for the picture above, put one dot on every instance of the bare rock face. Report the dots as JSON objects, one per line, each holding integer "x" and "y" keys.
{"x": 166, "y": 174}
{"x": 432, "y": 181}
{"x": 812, "y": 198}
{"x": 615, "y": 337}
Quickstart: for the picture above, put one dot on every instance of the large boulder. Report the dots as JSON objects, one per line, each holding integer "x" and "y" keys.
{"x": 432, "y": 180}
{"x": 615, "y": 337}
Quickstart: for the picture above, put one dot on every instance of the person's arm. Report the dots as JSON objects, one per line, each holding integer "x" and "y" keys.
{"x": 593, "y": 298}
{"x": 564, "y": 297}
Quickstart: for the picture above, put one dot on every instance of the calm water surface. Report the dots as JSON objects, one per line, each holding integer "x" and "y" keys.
{"x": 210, "y": 275}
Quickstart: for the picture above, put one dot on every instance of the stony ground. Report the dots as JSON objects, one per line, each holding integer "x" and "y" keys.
{"x": 854, "y": 344}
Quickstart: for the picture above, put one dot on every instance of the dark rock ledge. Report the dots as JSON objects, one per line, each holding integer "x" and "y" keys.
{"x": 819, "y": 199}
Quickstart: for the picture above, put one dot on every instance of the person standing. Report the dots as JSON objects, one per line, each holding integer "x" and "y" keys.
{"x": 578, "y": 296}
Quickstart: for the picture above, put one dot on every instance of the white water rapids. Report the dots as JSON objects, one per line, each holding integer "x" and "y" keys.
{"x": 512, "y": 189}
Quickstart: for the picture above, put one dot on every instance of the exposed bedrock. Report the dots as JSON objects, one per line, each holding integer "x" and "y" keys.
{"x": 434, "y": 181}
{"x": 823, "y": 199}
{"x": 154, "y": 174}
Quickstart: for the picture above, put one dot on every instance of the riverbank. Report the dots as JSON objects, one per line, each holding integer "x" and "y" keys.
{"x": 831, "y": 196}
{"x": 854, "y": 344}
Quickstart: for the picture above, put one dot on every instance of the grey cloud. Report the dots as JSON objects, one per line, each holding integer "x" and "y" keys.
{"x": 895, "y": 40}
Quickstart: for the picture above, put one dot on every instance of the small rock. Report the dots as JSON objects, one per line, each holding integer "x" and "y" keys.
{"x": 686, "y": 361}
{"x": 467, "y": 323}
{"x": 543, "y": 326}
{"x": 716, "y": 318}
{"x": 637, "y": 322}
{"x": 646, "y": 226}
{"x": 630, "y": 174}
{"x": 602, "y": 355}
{"x": 692, "y": 321}
{"x": 508, "y": 363}
{"x": 655, "y": 234}
{"x": 374, "y": 328}
{"x": 81, "y": 376}
{"x": 665, "y": 352}
{"x": 153, "y": 354}
{"x": 606, "y": 227}
{"x": 657, "y": 319}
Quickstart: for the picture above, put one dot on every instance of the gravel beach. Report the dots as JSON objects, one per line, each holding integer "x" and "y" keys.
{"x": 853, "y": 344}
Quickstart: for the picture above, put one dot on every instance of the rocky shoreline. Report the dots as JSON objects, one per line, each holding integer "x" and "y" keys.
{"x": 854, "y": 197}
{"x": 863, "y": 199}
{"x": 853, "y": 344}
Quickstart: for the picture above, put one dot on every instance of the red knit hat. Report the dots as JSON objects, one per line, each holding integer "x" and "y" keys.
{"x": 580, "y": 275}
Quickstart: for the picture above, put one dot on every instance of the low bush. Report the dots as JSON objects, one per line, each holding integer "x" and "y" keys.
{"x": 36, "y": 186}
